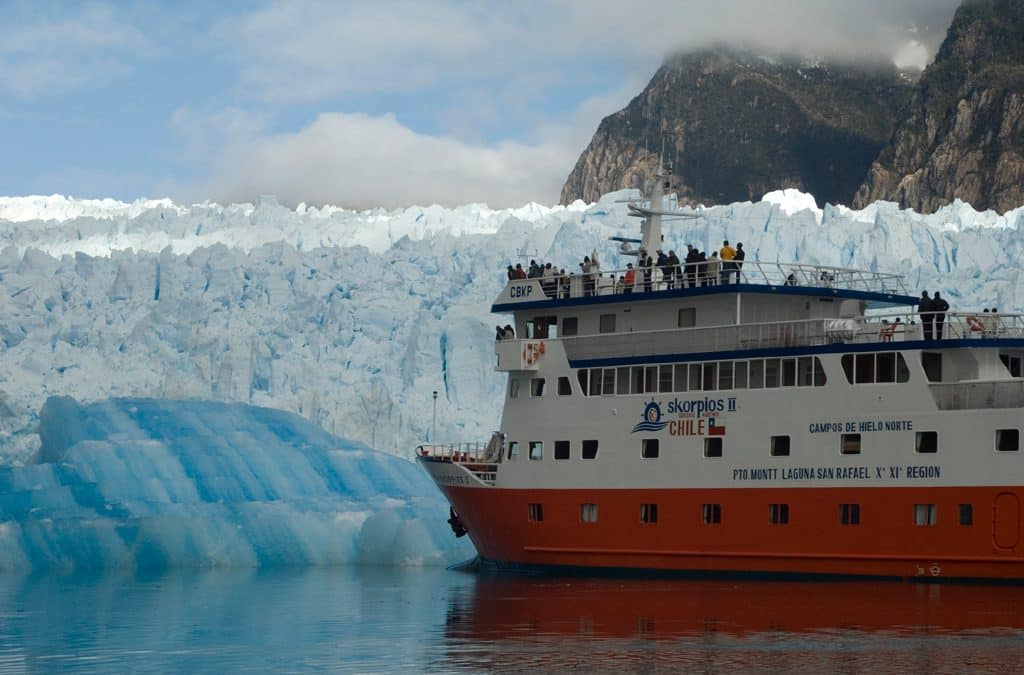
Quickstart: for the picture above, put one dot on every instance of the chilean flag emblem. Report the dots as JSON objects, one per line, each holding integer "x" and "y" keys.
{"x": 714, "y": 429}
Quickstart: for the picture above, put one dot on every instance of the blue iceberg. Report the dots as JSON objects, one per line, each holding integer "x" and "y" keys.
{"x": 146, "y": 483}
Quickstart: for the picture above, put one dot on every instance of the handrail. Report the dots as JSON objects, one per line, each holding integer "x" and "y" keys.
{"x": 696, "y": 275}
{"x": 461, "y": 453}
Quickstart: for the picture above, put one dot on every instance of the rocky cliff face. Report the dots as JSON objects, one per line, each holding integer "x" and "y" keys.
{"x": 737, "y": 126}
{"x": 963, "y": 131}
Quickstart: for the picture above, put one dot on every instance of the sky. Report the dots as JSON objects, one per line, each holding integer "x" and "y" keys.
{"x": 379, "y": 103}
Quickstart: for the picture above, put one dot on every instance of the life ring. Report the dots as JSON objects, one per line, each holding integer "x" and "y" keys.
{"x": 532, "y": 351}
{"x": 975, "y": 324}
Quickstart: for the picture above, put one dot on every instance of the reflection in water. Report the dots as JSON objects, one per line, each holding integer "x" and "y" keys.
{"x": 367, "y": 619}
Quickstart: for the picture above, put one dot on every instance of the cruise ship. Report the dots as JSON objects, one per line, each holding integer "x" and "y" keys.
{"x": 773, "y": 420}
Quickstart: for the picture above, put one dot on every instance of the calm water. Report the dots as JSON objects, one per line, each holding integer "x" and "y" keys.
{"x": 362, "y": 619}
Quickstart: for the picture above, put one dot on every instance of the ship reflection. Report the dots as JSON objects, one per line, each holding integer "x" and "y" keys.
{"x": 718, "y": 626}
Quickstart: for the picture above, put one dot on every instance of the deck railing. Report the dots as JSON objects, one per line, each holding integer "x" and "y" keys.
{"x": 474, "y": 457}
{"x": 697, "y": 275}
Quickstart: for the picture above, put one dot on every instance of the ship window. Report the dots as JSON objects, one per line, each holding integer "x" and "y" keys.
{"x": 819, "y": 373}
{"x": 780, "y": 446}
{"x": 926, "y": 441}
{"x": 850, "y": 444}
{"x": 513, "y": 387}
{"x": 865, "y": 369}
{"x": 608, "y": 382}
{"x": 665, "y": 379}
{"x": 536, "y": 513}
{"x": 740, "y": 373}
{"x": 570, "y": 326}
{"x": 1007, "y": 440}
{"x": 712, "y": 447}
{"x": 849, "y": 514}
{"x": 651, "y": 379}
{"x": 680, "y": 377}
{"x": 778, "y": 514}
{"x": 757, "y": 374}
{"x": 804, "y": 371}
{"x": 902, "y": 371}
{"x": 648, "y": 513}
{"x": 694, "y": 377}
{"x": 966, "y": 514}
{"x": 513, "y": 449}
{"x": 536, "y": 449}
{"x": 932, "y": 362}
{"x": 581, "y": 375}
{"x": 607, "y": 323}
{"x": 637, "y": 380}
{"x": 589, "y": 450}
{"x": 788, "y": 372}
{"x": 687, "y": 317}
{"x": 725, "y": 375}
{"x": 622, "y": 381}
{"x": 595, "y": 382}
{"x": 537, "y": 386}
{"x": 710, "y": 376}
{"x": 1012, "y": 364}
{"x": 564, "y": 386}
{"x": 542, "y": 327}
{"x": 847, "y": 362}
{"x": 771, "y": 373}
{"x": 924, "y": 515}
{"x": 561, "y": 449}
{"x": 711, "y": 514}
{"x": 588, "y": 513}
{"x": 885, "y": 367}
{"x": 649, "y": 448}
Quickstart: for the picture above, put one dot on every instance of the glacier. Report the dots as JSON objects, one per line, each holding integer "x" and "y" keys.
{"x": 152, "y": 484}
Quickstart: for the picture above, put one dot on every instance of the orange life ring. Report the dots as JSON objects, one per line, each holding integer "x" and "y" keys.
{"x": 975, "y": 324}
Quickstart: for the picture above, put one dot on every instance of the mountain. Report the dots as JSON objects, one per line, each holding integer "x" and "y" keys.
{"x": 963, "y": 133}
{"x": 738, "y": 125}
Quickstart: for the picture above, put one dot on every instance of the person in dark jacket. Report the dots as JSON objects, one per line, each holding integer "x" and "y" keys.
{"x": 924, "y": 308}
{"x": 702, "y": 268}
{"x": 666, "y": 269}
{"x": 648, "y": 267}
{"x": 691, "y": 266}
{"x": 940, "y": 307}
{"x": 512, "y": 274}
{"x": 737, "y": 261}
{"x": 675, "y": 279}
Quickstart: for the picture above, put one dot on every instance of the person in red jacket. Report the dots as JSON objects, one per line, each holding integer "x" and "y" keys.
{"x": 629, "y": 279}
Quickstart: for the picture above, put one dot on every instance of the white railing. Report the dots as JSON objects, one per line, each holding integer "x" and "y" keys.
{"x": 978, "y": 395}
{"x": 699, "y": 275}
{"x": 473, "y": 457}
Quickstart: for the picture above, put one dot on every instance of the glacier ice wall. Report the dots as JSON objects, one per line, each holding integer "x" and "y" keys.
{"x": 351, "y": 319}
{"x": 145, "y": 483}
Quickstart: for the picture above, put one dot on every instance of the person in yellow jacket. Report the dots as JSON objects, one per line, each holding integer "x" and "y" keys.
{"x": 726, "y": 255}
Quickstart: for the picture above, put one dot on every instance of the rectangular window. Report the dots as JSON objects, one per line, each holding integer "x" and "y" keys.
{"x": 513, "y": 387}
{"x": 564, "y": 386}
{"x": 1007, "y": 440}
{"x": 850, "y": 444}
{"x": 713, "y": 447}
{"x": 537, "y": 386}
{"x": 965, "y": 514}
{"x": 665, "y": 379}
{"x": 865, "y": 368}
{"x": 788, "y": 372}
{"x": 740, "y": 373}
{"x": 651, "y": 378}
{"x": 926, "y": 441}
{"x": 924, "y": 515}
{"x": 710, "y": 376}
{"x": 771, "y": 373}
{"x": 607, "y": 322}
{"x": 536, "y": 449}
{"x": 622, "y": 381}
{"x": 570, "y": 326}
{"x": 589, "y": 450}
{"x": 561, "y": 449}
{"x": 902, "y": 371}
{"x": 649, "y": 448}
{"x": 885, "y": 367}
{"x": 536, "y": 513}
{"x": 847, "y": 362}
{"x": 932, "y": 363}
{"x": 581, "y": 375}
{"x": 608, "y": 382}
{"x": 757, "y": 374}
{"x": 513, "y": 450}
{"x": 687, "y": 317}
{"x": 595, "y": 381}
{"x": 780, "y": 446}
{"x": 694, "y": 377}
{"x": 778, "y": 514}
{"x": 711, "y": 514}
{"x": 680, "y": 377}
{"x": 804, "y": 371}
{"x": 637, "y": 380}
{"x": 588, "y": 513}
{"x": 819, "y": 373}
{"x": 648, "y": 513}
{"x": 849, "y": 514}
{"x": 724, "y": 375}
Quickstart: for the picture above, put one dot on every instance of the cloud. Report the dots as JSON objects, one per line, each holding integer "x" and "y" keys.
{"x": 43, "y": 56}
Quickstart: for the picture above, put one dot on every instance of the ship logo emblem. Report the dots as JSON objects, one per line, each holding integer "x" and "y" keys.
{"x": 650, "y": 420}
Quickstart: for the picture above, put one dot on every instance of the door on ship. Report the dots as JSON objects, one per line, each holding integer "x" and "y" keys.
{"x": 1006, "y": 521}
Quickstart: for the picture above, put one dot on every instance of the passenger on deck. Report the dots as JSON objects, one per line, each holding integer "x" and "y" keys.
{"x": 512, "y": 274}
{"x": 727, "y": 253}
{"x": 791, "y": 280}
{"x": 702, "y": 269}
{"x": 675, "y": 274}
{"x": 563, "y": 284}
{"x": 714, "y": 269}
{"x": 737, "y": 261}
{"x": 666, "y": 269}
{"x": 520, "y": 272}
{"x": 588, "y": 279}
{"x": 939, "y": 306}
{"x": 629, "y": 279}
{"x": 924, "y": 308}
{"x": 648, "y": 269}
{"x": 510, "y": 332}
{"x": 691, "y": 265}
{"x": 534, "y": 270}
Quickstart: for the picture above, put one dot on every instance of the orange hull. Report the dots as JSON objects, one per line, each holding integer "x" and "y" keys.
{"x": 885, "y": 543}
